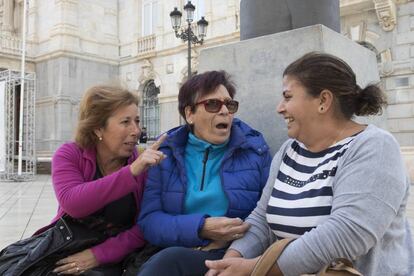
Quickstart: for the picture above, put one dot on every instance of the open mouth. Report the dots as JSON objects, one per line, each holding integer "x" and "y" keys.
{"x": 222, "y": 126}
{"x": 288, "y": 120}
{"x": 130, "y": 143}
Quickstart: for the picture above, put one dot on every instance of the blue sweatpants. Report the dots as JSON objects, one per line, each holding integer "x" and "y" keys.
{"x": 179, "y": 261}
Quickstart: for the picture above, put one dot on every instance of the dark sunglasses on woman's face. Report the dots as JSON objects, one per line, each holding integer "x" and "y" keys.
{"x": 214, "y": 105}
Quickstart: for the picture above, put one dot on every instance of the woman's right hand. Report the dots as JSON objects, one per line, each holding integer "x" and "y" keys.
{"x": 231, "y": 266}
{"x": 223, "y": 228}
{"x": 150, "y": 157}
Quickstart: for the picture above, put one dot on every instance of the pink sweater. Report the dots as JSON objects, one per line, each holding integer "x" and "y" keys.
{"x": 78, "y": 195}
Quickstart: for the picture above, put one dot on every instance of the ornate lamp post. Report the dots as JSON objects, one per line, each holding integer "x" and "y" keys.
{"x": 187, "y": 33}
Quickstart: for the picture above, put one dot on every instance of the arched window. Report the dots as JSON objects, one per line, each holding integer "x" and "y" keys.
{"x": 150, "y": 110}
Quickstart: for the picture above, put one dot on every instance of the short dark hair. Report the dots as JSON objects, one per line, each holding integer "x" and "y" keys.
{"x": 201, "y": 85}
{"x": 318, "y": 71}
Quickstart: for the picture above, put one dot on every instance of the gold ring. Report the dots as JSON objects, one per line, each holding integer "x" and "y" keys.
{"x": 236, "y": 236}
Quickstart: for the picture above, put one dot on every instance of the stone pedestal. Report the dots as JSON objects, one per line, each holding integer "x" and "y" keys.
{"x": 263, "y": 17}
{"x": 61, "y": 83}
{"x": 257, "y": 65}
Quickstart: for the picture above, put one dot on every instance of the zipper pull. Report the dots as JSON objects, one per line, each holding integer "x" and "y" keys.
{"x": 205, "y": 158}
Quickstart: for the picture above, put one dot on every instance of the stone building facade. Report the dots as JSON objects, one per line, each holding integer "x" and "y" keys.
{"x": 75, "y": 44}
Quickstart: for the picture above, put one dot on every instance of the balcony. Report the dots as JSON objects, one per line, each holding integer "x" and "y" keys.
{"x": 10, "y": 45}
{"x": 146, "y": 46}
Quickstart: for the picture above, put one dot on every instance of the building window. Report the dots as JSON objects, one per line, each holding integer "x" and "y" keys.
{"x": 149, "y": 16}
{"x": 402, "y": 82}
{"x": 150, "y": 110}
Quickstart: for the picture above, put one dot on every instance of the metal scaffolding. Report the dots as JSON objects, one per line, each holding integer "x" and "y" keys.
{"x": 11, "y": 109}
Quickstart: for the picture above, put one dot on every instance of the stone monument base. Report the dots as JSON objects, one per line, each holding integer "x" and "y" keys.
{"x": 257, "y": 65}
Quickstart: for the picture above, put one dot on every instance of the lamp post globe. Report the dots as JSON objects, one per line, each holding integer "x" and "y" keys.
{"x": 186, "y": 34}
{"x": 189, "y": 9}
{"x": 202, "y": 27}
{"x": 176, "y": 18}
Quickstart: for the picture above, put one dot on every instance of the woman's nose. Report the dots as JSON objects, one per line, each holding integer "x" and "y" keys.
{"x": 224, "y": 109}
{"x": 280, "y": 108}
{"x": 136, "y": 130}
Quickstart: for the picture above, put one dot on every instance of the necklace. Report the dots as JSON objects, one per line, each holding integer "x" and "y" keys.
{"x": 100, "y": 168}
{"x": 105, "y": 172}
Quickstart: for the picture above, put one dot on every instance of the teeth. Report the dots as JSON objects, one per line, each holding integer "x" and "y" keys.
{"x": 288, "y": 120}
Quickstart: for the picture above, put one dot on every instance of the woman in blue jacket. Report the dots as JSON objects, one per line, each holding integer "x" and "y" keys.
{"x": 195, "y": 201}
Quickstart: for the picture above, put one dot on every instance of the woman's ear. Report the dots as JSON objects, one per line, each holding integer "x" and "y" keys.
{"x": 326, "y": 99}
{"x": 98, "y": 132}
{"x": 188, "y": 114}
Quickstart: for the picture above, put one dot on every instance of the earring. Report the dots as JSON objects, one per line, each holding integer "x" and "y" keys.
{"x": 190, "y": 122}
{"x": 321, "y": 108}
{"x": 100, "y": 138}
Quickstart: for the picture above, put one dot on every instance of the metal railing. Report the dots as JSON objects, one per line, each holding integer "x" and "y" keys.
{"x": 12, "y": 81}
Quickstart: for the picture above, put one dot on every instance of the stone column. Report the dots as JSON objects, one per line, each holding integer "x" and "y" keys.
{"x": 263, "y": 17}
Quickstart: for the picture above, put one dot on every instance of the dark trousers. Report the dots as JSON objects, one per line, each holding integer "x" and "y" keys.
{"x": 179, "y": 261}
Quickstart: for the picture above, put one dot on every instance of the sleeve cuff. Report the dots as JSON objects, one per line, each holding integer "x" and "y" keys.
{"x": 204, "y": 242}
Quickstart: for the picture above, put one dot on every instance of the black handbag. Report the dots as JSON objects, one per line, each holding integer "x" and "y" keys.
{"x": 136, "y": 259}
{"x": 38, "y": 254}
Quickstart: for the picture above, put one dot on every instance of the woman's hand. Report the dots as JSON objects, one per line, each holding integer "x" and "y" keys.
{"x": 230, "y": 253}
{"x": 77, "y": 263}
{"x": 150, "y": 157}
{"x": 223, "y": 228}
{"x": 231, "y": 266}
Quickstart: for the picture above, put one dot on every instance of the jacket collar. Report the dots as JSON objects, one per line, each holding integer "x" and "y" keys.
{"x": 241, "y": 136}
{"x": 201, "y": 145}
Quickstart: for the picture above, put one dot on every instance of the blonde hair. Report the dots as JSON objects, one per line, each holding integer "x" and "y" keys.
{"x": 97, "y": 105}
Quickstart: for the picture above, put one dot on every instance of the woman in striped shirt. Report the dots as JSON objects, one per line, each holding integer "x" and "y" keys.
{"x": 337, "y": 186}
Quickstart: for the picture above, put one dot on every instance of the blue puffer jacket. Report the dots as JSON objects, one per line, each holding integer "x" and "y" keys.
{"x": 244, "y": 171}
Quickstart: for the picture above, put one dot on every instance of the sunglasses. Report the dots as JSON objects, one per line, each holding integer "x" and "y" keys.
{"x": 214, "y": 105}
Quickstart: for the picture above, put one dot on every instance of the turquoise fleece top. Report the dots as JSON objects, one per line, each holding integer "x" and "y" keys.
{"x": 207, "y": 197}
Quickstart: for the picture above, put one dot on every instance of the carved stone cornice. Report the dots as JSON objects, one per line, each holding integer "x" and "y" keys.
{"x": 386, "y": 13}
{"x": 348, "y": 7}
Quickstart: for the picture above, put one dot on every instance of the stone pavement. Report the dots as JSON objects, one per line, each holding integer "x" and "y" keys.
{"x": 27, "y": 206}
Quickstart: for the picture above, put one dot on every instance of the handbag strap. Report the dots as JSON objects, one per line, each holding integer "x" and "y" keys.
{"x": 340, "y": 266}
{"x": 269, "y": 257}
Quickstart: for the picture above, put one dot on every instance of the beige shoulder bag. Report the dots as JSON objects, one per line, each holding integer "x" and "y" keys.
{"x": 339, "y": 267}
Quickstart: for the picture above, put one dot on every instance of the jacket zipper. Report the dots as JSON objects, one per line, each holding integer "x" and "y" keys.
{"x": 204, "y": 167}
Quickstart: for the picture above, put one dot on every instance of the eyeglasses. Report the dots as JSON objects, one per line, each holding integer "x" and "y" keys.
{"x": 214, "y": 105}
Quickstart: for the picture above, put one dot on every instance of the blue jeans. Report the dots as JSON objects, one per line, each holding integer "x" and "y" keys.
{"x": 179, "y": 261}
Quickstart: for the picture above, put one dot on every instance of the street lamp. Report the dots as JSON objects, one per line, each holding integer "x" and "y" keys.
{"x": 187, "y": 33}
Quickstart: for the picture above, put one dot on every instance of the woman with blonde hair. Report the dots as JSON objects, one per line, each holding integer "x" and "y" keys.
{"x": 98, "y": 182}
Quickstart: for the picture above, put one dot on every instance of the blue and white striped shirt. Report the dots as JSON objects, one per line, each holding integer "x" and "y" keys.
{"x": 302, "y": 193}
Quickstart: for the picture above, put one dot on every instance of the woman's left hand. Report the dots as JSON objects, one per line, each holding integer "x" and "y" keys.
{"x": 231, "y": 266}
{"x": 77, "y": 263}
